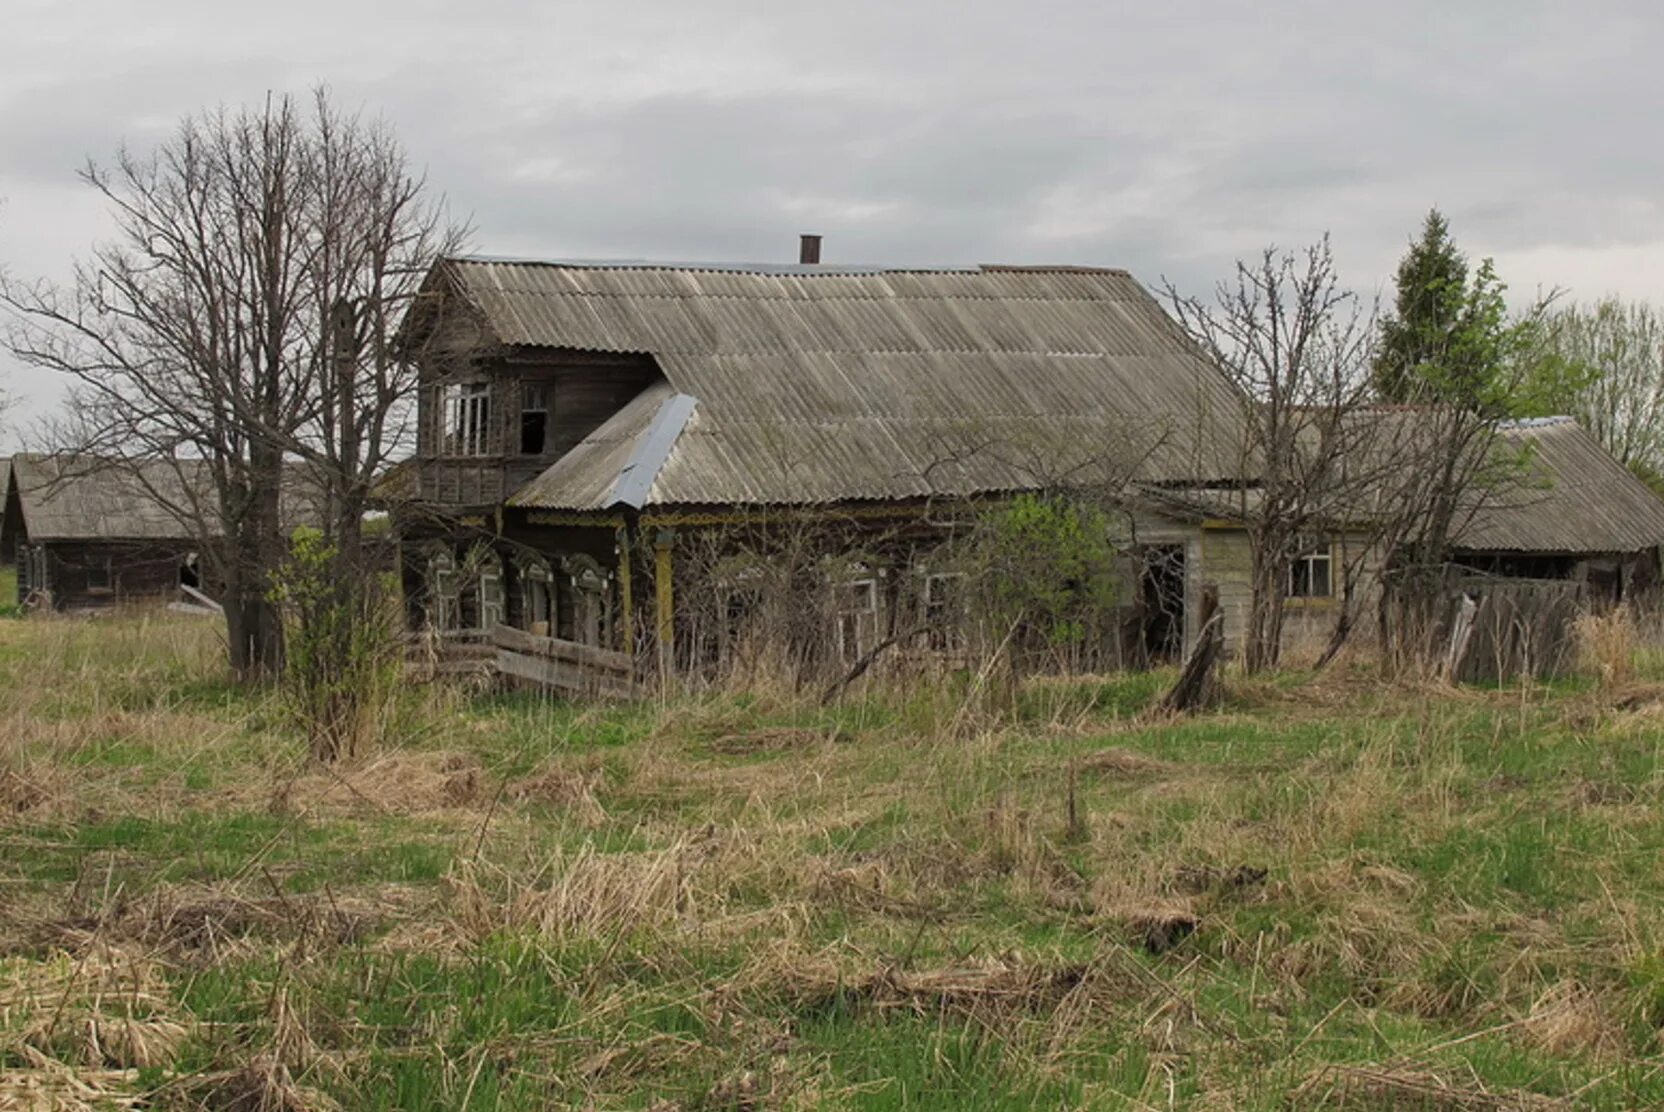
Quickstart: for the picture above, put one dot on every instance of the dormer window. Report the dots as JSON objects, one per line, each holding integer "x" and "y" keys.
{"x": 534, "y": 418}
{"x": 467, "y": 416}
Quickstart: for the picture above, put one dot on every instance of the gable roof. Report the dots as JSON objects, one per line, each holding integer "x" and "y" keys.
{"x": 1570, "y": 495}
{"x": 1574, "y": 497}
{"x": 71, "y": 498}
{"x": 820, "y": 384}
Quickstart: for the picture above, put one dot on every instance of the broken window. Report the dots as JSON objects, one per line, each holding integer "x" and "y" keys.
{"x": 944, "y": 609}
{"x": 589, "y": 601}
{"x": 466, "y": 412}
{"x": 537, "y": 597}
{"x": 99, "y": 576}
{"x": 444, "y": 609}
{"x": 1309, "y": 574}
{"x": 534, "y": 418}
{"x": 856, "y": 604}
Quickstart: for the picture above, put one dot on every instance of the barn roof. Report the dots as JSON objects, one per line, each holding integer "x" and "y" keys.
{"x": 1574, "y": 497}
{"x": 1569, "y": 494}
{"x": 69, "y": 497}
{"x": 822, "y": 384}
{"x": 78, "y": 498}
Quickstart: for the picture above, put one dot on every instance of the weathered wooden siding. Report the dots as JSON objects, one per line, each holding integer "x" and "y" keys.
{"x": 582, "y": 390}
{"x": 95, "y": 576}
{"x": 1227, "y": 559}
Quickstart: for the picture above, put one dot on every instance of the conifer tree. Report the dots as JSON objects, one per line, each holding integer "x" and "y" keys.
{"x": 1420, "y": 355}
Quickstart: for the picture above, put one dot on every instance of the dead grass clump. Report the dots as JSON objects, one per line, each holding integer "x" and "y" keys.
{"x": 769, "y": 739}
{"x": 397, "y": 782}
{"x": 868, "y": 886}
{"x": 1196, "y": 880}
{"x": 1606, "y": 646}
{"x": 210, "y": 922}
{"x": 1123, "y": 764}
{"x": 578, "y": 894}
{"x": 1409, "y": 1086}
{"x": 990, "y": 990}
{"x": 1155, "y": 925}
{"x": 107, "y": 1008}
{"x": 571, "y": 790}
{"x": 20, "y": 793}
{"x": 1568, "y": 1019}
{"x": 1607, "y": 793}
{"x": 263, "y": 1084}
{"x": 48, "y": 1085}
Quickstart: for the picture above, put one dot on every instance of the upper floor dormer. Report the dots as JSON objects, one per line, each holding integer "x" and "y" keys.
{"x": 492, "y": 415}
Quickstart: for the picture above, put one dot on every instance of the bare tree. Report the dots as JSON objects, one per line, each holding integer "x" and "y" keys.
{"x": 1298, "y": 346}
{"x": 1613, "y": 352}
{"x": 242, "y": 317}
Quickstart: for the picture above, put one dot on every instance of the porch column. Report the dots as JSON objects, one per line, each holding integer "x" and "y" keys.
{"x": 665, "y": 600}
{"x": 626, "y": 596}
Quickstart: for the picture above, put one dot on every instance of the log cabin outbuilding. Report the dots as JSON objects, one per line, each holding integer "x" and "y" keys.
{"x": 84, "y": 535}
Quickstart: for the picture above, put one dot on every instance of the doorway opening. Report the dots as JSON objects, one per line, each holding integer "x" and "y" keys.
{"x": 1161, "y": 603}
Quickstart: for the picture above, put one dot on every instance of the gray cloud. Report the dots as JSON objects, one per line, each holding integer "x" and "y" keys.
{"x": 1168, "y": 139}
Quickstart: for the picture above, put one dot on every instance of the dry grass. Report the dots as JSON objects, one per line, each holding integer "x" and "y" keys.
{"x": 1606, "y": 646}
{"x": 1333, "y": 892}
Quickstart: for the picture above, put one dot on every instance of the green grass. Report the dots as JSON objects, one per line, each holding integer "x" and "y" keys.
{"x": 755, "y": 901}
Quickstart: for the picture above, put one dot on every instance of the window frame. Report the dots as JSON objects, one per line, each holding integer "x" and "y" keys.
{"x": 101, "y": 576}
{"x": 856, "y": 627}
{"x": 1308, "y": 559}
{"x": 465, "y": 420}
{"x": 949, "y": 634}
{"x": 536, "y": 397}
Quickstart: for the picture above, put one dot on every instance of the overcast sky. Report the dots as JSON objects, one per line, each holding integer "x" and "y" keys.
{"x": 1167, "y": 138}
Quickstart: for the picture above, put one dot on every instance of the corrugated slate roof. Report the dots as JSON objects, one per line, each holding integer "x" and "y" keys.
{"x": 821, "y": 384}
{"x": 1572, "y": 495}
{"x": 1575, "y": 497}
{"x": 69, "y": 498}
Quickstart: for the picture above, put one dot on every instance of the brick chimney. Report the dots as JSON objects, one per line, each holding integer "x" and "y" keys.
{"x": 808, "y": 250}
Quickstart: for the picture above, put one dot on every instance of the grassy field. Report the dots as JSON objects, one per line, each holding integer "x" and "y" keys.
{"x": 1330, "y": 893}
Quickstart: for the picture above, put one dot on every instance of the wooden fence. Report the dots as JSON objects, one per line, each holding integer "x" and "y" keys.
{"x": 563, "y": 666}
{"x": 1501, "y": 629}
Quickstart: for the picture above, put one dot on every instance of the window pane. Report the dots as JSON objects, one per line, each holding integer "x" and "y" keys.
{"x": 1319, "y": 576}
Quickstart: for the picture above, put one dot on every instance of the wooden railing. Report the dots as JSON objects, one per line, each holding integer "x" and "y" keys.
{"x": 565, "y": 666}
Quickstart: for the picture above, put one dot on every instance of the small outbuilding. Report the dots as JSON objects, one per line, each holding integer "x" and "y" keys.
{"x": 84, "y": 534}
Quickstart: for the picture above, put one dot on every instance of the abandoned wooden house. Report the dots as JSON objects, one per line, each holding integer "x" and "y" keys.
{"x": 91, "y": 533}
{"x": 1560, "y": 512}
{"x": 586, "y": 429}
{"x": 86, "y": 536}
{"x": 596, "y": 441}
